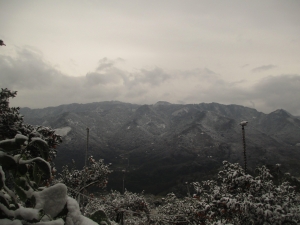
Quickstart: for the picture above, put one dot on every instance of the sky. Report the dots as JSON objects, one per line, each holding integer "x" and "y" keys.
{"x": 137, "y": 51}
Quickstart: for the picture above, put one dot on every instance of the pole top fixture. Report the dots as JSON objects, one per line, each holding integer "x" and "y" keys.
{"x": 243, "y": 123}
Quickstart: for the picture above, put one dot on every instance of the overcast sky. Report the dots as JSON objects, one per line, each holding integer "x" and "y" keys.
{"x": 188, "y": 51}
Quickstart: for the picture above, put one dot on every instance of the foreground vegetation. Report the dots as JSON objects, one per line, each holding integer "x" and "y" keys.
{"x": 30, "y": 194}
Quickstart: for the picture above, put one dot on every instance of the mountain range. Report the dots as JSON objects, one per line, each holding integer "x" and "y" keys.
{"x": 164, "y": 145}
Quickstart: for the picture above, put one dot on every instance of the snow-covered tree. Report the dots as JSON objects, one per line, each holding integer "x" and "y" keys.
{"x": 10, "y": 119}
{"x": 26, "y": 153}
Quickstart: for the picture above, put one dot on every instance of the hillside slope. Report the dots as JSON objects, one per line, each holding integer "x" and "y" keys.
{"x": 163, "y": 145}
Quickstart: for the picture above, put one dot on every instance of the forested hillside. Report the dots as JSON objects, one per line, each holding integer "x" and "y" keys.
{"x": 164, "y": 145}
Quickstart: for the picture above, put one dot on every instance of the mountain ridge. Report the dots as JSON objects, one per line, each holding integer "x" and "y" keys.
{"x": 170, "y": 142}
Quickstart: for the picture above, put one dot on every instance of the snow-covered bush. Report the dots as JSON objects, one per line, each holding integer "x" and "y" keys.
{"x": 237, "y": 198}
{"x": 131, "y": 208}
{"x": 178, "y": 211}
{"x": 95, "y": 174}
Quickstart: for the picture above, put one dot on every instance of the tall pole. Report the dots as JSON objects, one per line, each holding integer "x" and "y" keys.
{"x": 244, "y": 145}
{"x": 87, "y": 145}
{"x": 123, "y": 189}
{"x": 85, "y": 162}
{"x": 122, "y": 213}
{"x": 188, "y": 189}
{"x": 243, "y": 124}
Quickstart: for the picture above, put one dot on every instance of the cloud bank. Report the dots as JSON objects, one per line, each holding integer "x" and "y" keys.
{"x": 40, "y": 84}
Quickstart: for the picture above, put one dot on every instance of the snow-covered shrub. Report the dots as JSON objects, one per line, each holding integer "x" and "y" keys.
{"x": 237, "y": 198}
{"x": 94, "y": 174}
{"x": 178, "y": 211}
{"x": 130, "y": 207}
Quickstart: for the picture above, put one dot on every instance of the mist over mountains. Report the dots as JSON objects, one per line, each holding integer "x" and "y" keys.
{"x": 162, "y": 146}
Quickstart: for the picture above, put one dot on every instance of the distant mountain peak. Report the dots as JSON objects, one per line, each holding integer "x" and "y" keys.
{"x": 161, "y": 103}
{"x": 281, "y": 112}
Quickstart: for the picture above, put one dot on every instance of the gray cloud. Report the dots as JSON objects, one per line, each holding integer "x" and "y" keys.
{"x": 199, "y": 73}
{"x": 153, "y": 77}
{"x": 95, "y": 78}
{"x": 267, "y": 95}
{"x": 105, "y": 64}
{"x": 263, "y": 68}
{"x": 39, "y": 84}
{"x": 238, "y": 82}
{"x": 279, "y": 92}
{"x": 26, "y": 70}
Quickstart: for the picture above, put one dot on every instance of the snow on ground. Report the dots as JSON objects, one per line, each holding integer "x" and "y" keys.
{"x": 63, "y": 131}
{"x": 74, "y": 216}
{"x": 181, "y": 111}
{"x": 52, "y": 199}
